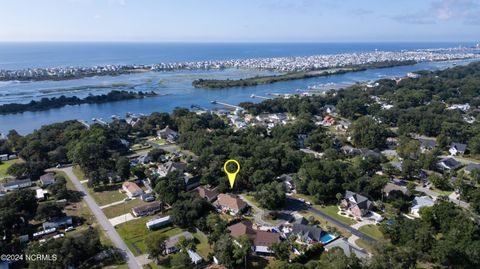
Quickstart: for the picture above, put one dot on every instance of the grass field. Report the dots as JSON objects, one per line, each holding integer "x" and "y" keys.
{"x": 134, "y": 233}
{"x": 251, "y": 200}
{"x": 123, "y": 208}
{"x": 80, "y": 209}
{"x": 364, "y": 245}
{"x": 5, "y": 165}
{"x": 202, "y": 247}
{"x": 332, "y": 212}
{"x": 373, "y": 231}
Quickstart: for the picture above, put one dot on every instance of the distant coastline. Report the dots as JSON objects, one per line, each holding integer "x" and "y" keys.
{"x": 51, "y": 103}
{"x": 253, "y": 81}
{"x": 280, "y": 64}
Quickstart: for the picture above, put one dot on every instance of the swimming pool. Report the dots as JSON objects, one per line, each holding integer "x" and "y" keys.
{"x": 326, "y": 238}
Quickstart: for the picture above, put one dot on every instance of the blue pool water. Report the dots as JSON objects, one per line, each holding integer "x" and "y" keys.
{"x": 326, "y": 238}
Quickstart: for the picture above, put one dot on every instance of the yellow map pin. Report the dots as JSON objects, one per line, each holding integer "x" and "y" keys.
{"x": 231, "y": 176}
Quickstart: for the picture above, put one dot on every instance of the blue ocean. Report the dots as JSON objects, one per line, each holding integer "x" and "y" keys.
{"x": 174, "y": 88}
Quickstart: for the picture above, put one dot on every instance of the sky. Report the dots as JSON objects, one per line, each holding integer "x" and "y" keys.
{"x": 239, "y": 21}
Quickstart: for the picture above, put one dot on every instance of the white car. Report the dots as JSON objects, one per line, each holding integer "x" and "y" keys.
{"x": 69, "y": 229}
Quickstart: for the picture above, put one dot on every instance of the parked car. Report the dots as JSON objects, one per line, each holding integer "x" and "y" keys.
{"x": 69, "y": 229}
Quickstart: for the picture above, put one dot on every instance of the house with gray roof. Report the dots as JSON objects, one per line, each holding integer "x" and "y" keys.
{"x": 347, "y": 248}
{"x": 427, "y": 144}
{"x": 306, "y": 233}
{"x": 471, "y": 167}
{"x": 357, "y": 204}
{"x": 457, "y": 149}
{"x": 448, "y": 164}
{"x": 419, "y": 202}
{"x": 171, "y": 243}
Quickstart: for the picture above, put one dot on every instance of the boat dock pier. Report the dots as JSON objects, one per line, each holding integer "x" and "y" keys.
{"x": 216, "y": 102}
{"x": 100, "y": 121}
{"x": 261, "y": 97}
{"x": 84, "y": 123}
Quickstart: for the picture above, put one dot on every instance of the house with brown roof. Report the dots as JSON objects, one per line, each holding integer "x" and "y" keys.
{"x": 262, "y": 240}
{"x": 148, "y": 209}
{"x": 357, "y": 204}
{"x": 231, "y": 203}
{"x": 391, "y": 187}
{"x": 207, "y": 194}
{"x": 132, "y": 189}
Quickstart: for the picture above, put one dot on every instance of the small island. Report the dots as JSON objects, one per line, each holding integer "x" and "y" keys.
{"x": 57, "y": 102}
{"x": 258, "y": 80}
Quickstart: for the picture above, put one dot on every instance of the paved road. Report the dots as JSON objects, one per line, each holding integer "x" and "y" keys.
{"x": 103, "y": 221}
{"x": 297, "y": 205}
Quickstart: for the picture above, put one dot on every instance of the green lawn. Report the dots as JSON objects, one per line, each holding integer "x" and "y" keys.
{"x": 364, "y": 245}
{"x": 332, "y": 212}
{"x": 80, "y": 209}
{"x": 5, "y": 165}
{"x": 159, "y": 141}
{"x": 373, "y": 231}
{"x": 123, "y": 208}
{"x": 79, "y": 173}
{"x": 107, "y": 194}
{"x": 134, "y": 233}
{"x": 251, "y": 200}
{"x": 202, "y": 247}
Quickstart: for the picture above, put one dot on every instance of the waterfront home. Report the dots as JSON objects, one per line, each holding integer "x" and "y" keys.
{"x": 47, "y": 179}
{"x": 57, "y": 223}
{"x": 132, "y": 189}
{"x": 347, "y": 248}
{"x": 448, "y": 164}
{"x": 158, "y": 223}
{"x": 206, "y": 193}
{"x": 171, "y": 167}
{"x": 168, "y": 134}
{"x": 419, "y": 202}
{"x": 358, "y": 205}
{"x": 148, "y": 209}
{"x": 457, "y": 149}
{"x": 262, "y": 240}
{"x": 471, "y": 167}
{"x": 16, "y": 184}
{"x": 231, "y": 203}
{"x": 171, "y": 243}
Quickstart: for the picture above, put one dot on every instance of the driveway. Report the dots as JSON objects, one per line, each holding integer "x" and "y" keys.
{"x": 258, "y": 214}
{"x": 102, "y": 220}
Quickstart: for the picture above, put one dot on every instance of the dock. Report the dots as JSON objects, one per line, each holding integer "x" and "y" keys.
{"x": 100, "y": 121}
{"x": 84, "y": 123}
{"x": 260, "y": 97}
{"x": 216, "y": 102}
